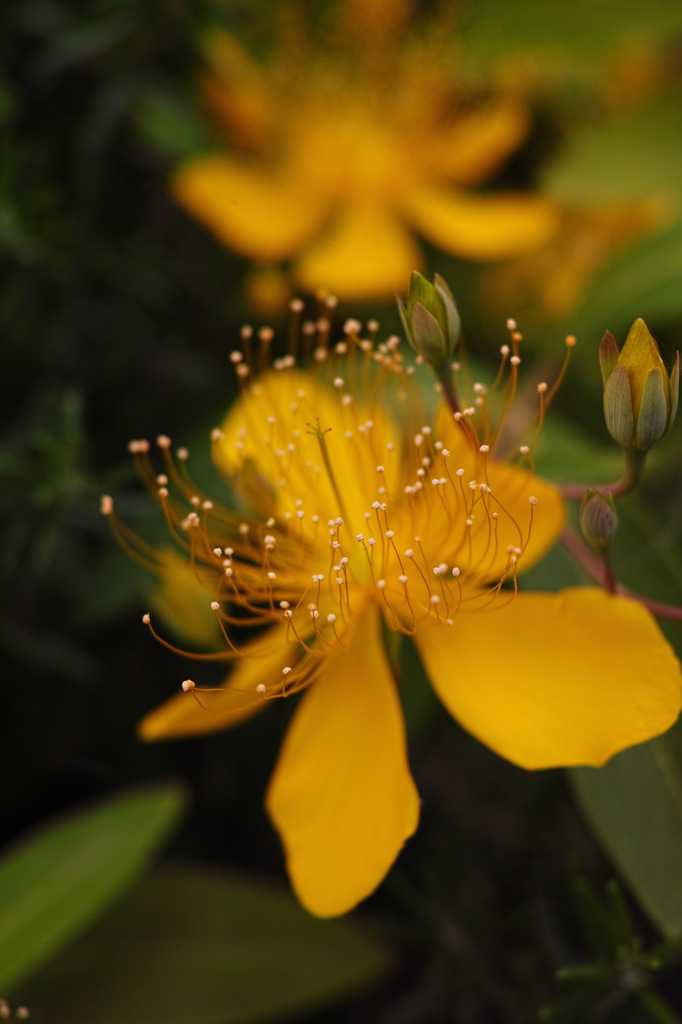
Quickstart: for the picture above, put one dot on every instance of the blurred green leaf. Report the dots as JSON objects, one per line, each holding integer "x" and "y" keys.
{"x": 571, "y": 40}
{"x": 203, "y": 947}
{"x": 565, "y": 454}
{"x": 634, "y": 804}
{"x": 56, "y": 882}
{"x": 623, "y": 157}
{"x": 171, "y": 123}
{"x": 642, "y": 281}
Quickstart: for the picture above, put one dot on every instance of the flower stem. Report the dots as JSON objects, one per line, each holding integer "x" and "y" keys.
{"x": 634, "y": 467}
{"x": 449, "y": 393}
{"x": 598, "y": 570}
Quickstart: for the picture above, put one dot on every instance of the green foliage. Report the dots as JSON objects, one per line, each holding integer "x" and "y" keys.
{"x": 188, "y": 946}
{"x": 55, "y": 883}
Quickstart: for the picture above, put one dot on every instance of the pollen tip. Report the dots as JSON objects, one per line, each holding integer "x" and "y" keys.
{"x": 187, "y": 685}
{"x": 215, "y": 607}
{"x": 146, "y": 618}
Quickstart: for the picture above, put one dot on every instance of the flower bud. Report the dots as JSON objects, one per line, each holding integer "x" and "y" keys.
{"x": 640, "y": 400}
{"x": 430, "y": 320}
{"x": 598, "y": 518}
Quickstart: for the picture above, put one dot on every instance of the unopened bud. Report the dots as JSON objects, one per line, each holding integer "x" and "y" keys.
{"x": 598, "y": 518}
{"x": 430, "y": 320}
{"x": 640, "y": 399}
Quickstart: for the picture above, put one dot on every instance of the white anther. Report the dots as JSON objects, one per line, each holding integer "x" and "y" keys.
{"x": 419, "y": 439}
{"x": 469, "y": 522}
{"x": 146, "y": 618}
{"x": 286, "y": 670}
{"x": 515, "y": 360}
{"x": 402, "y": 579}
{"x": 272, "y": 575}
{"x": 261, "y": 689}
{"x": 236, "y": 356}
{"x": 331, "y": 618}
{"x": 300, "y": 514}
{"x": 375, "y": 505}
{"x": 228, "y": 572}
{"x": 459, "y": 472}
{"x": 409, "y": 553}
{"x": 485, "y": 448}
{"x": 288, "y": 614}
{"x": 106, "y": 505}
{"x": 542, "y": 387}
{"x": 188, "y": 684}
{"x": 215, "y": 607}
{"x": 533, "y": 500}
{"x": 338, "y": 382}
{"x": 435, "y": 599}
{"x": 359, "y": 537}
{"x": 381, "y": 584}
{"x": 371, "y": 541}
{"x": 389, "y": 534}
{"x": 455, "y": 572}
{"x": 524, "y": 449}
{"x": 339, "y": 580}
{"x": 380, "y": 469}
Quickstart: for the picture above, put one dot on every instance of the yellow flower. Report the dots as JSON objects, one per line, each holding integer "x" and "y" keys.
{"x": 361, "y": 512}
{"x": 342, "y": 148}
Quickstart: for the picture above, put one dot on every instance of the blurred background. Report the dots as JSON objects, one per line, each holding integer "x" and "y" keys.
{"x": 168, "y": 172}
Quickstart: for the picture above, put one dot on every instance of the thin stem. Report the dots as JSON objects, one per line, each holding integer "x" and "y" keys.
{"x": 596, "y": 568}
{"x": 634, "y": 467}
{"x": 445, "y": 378}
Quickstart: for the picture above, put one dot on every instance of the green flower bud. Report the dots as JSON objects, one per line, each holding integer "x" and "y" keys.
{"x": 430, "y": 320}
{"x": 640, "y": 399}
{"x": 598, "y": 518}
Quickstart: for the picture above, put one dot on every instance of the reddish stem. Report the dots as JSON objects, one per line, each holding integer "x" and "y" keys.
{"x": 597, "y": 569}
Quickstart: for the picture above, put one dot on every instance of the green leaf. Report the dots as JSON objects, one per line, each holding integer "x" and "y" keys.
{"x": 634, "y": 805}
{"x": 645, "y": 279}
{"x": 205, "y": 947}
{"x": 56, "y": 882}
{"x": 559, "y": 41}
{"x": 619, "y": 158}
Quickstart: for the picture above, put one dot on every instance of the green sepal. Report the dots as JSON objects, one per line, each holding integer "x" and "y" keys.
{"x": 653, "y": 410}
{"x": 429, "y": 336}
{"x": 618, "y": 411}
{"x": 674, "y": 390}
{"x": 608, "y": 355}
{"x": 598, "y": 518}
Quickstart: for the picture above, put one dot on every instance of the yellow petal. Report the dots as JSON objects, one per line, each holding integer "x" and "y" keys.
{"x": 236, "y": 90}
{"x": 230, "y": 704}
{"x": 263, "y": 216}
{"x": 556, "y": 679}
{"x": 511, "y": 487}
{"x": 478, "y": 141}
{"x": 281, "y": 409}
{"x": 481, "y": 227}
{"x": 183, "y": 603}
{"x": 342, "y": 797}
{"x": 365, "y": 254}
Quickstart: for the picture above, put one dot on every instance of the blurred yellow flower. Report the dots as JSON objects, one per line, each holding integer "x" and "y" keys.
{"x": 363, "y": 512}
{"x": 341, "y": 149}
